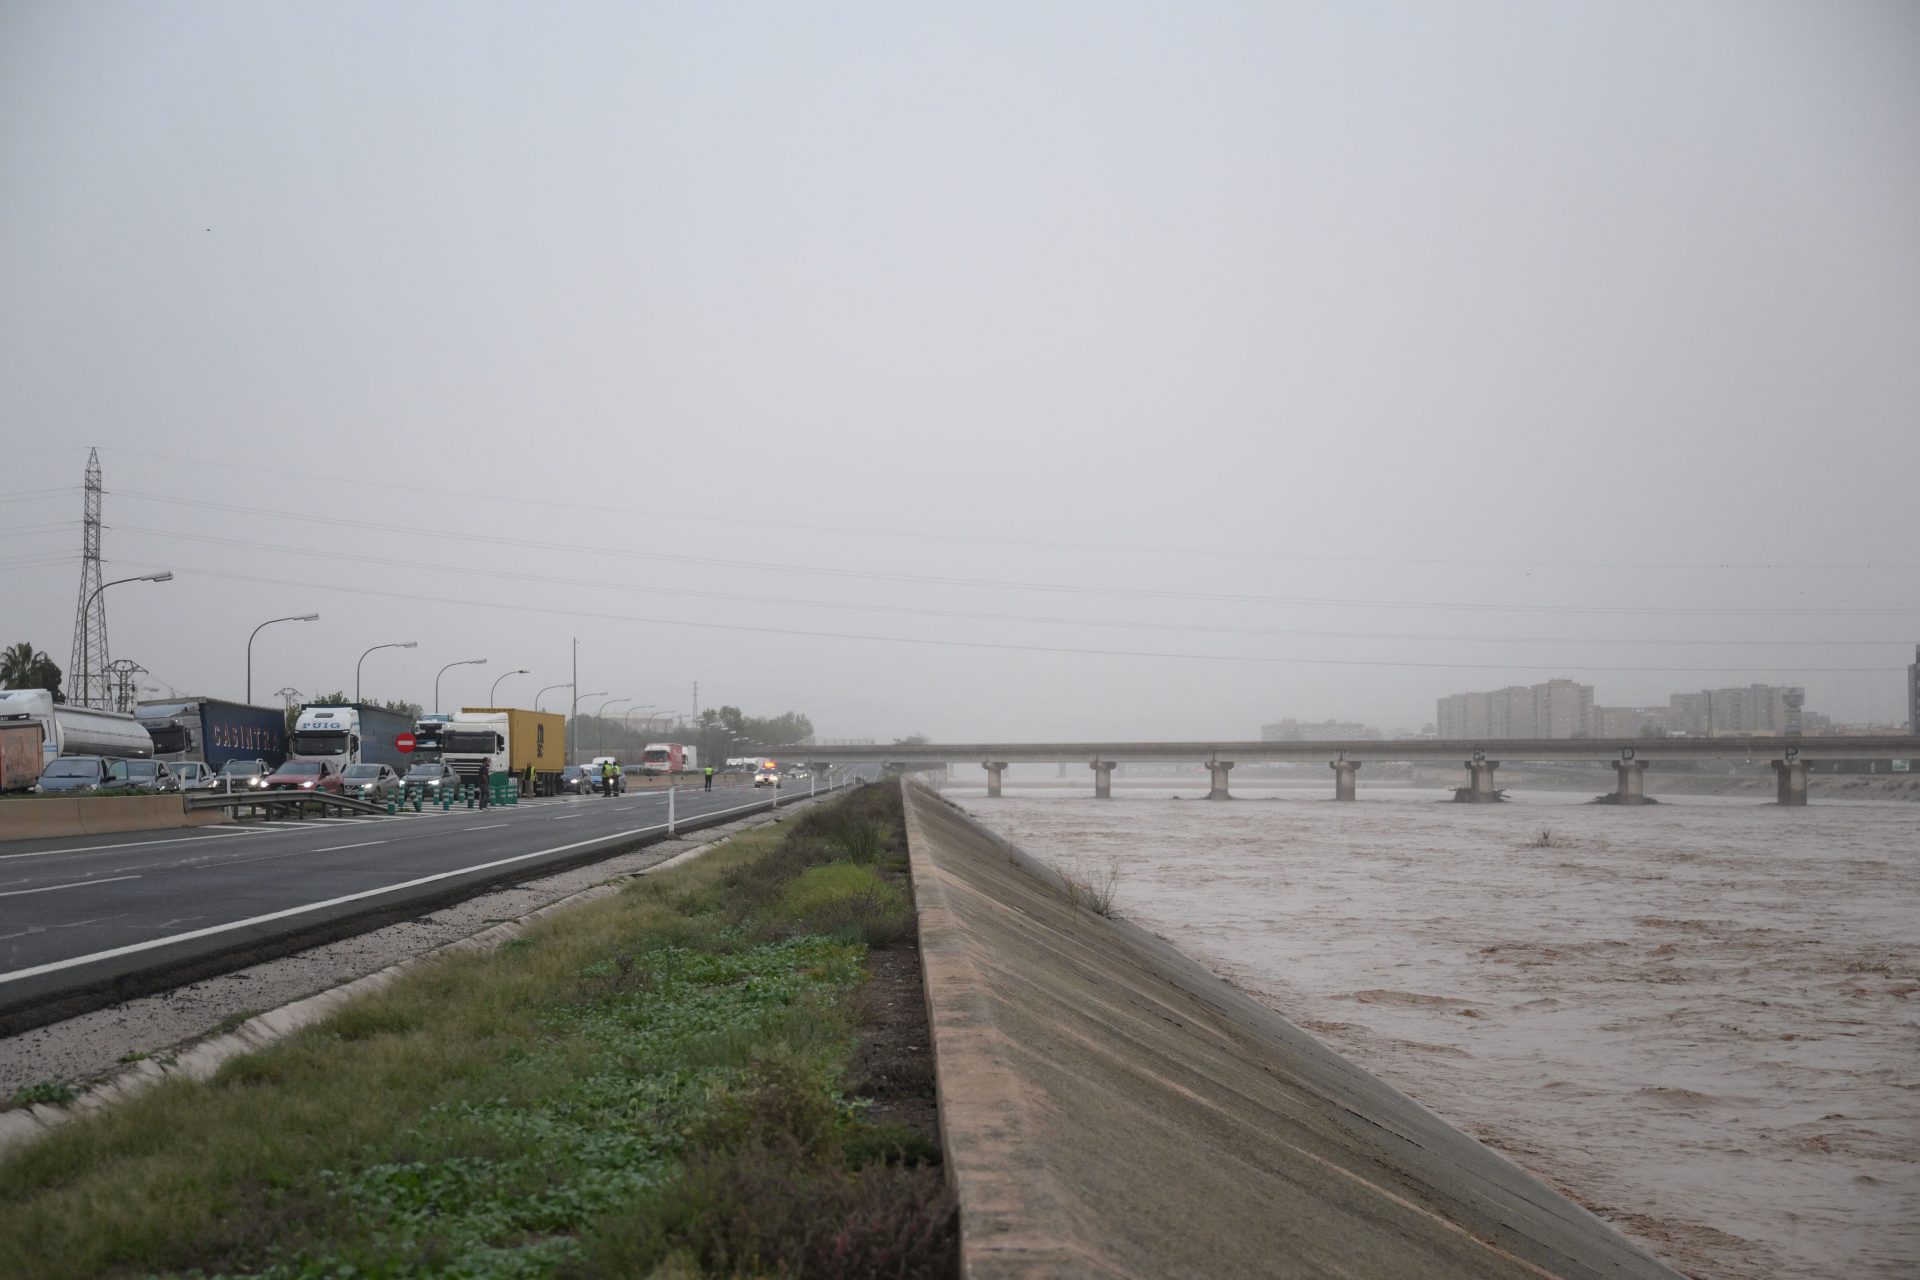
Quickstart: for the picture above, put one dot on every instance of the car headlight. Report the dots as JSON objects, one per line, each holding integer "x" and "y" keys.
{"x": 306, "y": 784}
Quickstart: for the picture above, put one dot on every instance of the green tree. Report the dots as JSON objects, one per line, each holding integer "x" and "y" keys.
{"x": 24, "y": 667}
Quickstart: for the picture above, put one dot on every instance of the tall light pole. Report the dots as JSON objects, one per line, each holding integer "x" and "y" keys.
{"x": 86, "y": 638}
{"x": 494, "y": 692}
{"x": 600, "y": 716}
{"x": 464, "y": 662}
{"x": 409, "y": 644}
{"x": 298, "y": 617}
{"x": 544, "y": 692}
{"x": 574, "y": 714}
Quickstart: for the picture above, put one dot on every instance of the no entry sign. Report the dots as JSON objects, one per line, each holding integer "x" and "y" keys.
{"x": 404, "y": 741}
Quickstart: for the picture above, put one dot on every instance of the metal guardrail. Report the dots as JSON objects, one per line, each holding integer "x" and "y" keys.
{"x": 282, "y": 800}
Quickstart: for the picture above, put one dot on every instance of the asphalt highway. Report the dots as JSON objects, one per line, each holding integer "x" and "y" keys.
{"x": 86, "y": 921}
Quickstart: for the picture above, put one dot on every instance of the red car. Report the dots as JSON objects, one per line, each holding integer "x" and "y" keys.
{"x": 304, "y": 775}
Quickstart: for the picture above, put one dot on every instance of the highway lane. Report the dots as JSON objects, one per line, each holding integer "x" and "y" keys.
{"x": 88, "y": 920}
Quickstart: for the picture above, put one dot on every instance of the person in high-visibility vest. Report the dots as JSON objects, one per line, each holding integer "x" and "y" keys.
{"x": 606, "y": 777}
{"x": 619, "y": 778}
{"x": 709, "y": 772}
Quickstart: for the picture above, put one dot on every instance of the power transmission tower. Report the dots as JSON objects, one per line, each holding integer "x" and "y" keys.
{"x": 288, "y": 696}
{"x": 86, "y": 670}
{"x": 117, "y": 679}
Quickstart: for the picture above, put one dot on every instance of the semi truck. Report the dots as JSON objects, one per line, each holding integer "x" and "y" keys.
{"x": 349, "y": 733}
{"x": 427, "y": 732}
{"x": 64, "y": 730}
{"x": 669, "y": 757}
{"x": 215, "y": 731}
{"x": 527, "y": 744}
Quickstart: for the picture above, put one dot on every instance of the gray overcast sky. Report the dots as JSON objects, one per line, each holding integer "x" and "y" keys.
{"x": 848, "y": 319}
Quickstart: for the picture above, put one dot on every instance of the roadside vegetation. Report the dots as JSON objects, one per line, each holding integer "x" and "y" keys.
{"x": 692, "y": 1077}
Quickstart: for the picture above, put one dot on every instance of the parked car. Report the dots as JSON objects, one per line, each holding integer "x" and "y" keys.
{"x": 150, "y": 775}
{"x": 70, "y": 774}
{"x": 194, "y": 775}
{"x": 767, "y": 778}
{"x": 242, "y": 775}
{"x": 375, "y": 782}
{"x": 304, "y": 775}
{"x": 580, "y": 779}
{"x": 431, "y": 778}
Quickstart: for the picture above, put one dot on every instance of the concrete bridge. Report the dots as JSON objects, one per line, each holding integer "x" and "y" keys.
{"x": 1481, "y": 758}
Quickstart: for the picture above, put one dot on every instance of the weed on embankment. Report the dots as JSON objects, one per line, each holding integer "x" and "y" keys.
{"x": 662, "y": 1082}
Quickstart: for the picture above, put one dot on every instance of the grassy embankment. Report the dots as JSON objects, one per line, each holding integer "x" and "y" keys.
{"x": 676, "y": 1080}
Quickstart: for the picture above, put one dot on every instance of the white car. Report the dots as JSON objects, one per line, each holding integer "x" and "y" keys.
{"x": 766, "y": 778}
{"x": 195, "y": 775}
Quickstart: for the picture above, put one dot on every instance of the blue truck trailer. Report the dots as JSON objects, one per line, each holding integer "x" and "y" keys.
{"x": 213, "y": 730}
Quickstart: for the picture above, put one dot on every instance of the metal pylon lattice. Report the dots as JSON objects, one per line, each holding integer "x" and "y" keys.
{"x": 86, "y": 681}
{"x": 121, "y": 684}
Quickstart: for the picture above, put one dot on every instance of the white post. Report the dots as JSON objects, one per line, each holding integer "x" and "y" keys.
{"x": 670, "y": 794}
{"x": 810, "y": 784}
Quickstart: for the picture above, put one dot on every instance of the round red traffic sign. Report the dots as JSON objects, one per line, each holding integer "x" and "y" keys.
{"x": 404, "y": 742}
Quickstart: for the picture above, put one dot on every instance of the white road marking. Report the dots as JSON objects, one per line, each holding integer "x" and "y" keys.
{"x": 129, "y": 844}
{"x": 133, "y": 948}
{"x": 76, "y": 884}
{"x": 567, "y": 817}
{"x": 364, "y": 844}
{"x": 493, "y": 827}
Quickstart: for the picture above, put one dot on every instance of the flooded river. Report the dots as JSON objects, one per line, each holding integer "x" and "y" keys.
{"x": 1701, "y": 1019}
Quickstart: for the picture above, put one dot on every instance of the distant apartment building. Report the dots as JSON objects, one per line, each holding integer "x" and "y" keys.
{"x": 1556, "y": 709}
{"x": 1318, "y": 731}
{"x": 1913, "y": 693}
{"x": 1757, "y": 709}
{"x": 1629, "y": 722}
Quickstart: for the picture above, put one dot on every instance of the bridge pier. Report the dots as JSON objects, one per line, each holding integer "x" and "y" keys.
{"x": 1631, "y": 781}
{"x": 1790, "y": 782}
{"x": 1219, "y": 769}
{"x": 1343, "y": 781}
{"x": 994, "y": 770}
{"x": 1480, "y": 788}
{"x": 1102, "y": 779}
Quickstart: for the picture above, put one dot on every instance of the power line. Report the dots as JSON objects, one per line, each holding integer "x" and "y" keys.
{"x": 873, "y": 575}
{"x": 1104, "y": 548}
{"x": 417, "y": 598}
{"x": 971, "y": 615}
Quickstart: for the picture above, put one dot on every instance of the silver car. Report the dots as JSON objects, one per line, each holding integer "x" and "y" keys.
{"x": 376, "y": 782}
{"x": 245, "y": 775}
{"x": 150, "y": 775}
{"x": 194, "y": 775}
{"x": 71, "y": 774}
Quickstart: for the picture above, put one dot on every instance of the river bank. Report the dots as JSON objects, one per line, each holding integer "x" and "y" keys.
{"x": 1698, "y": 1019}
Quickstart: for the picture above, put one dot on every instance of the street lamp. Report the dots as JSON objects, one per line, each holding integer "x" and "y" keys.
{"x": 544, "y": 692}
{"x": 493, "y": 693}
{"x": 465, "y": 662}
{"x": 410, "y": 644}
{"x": 86, "y": 632}
{"x": 600, "y": 716}
{"x": 573, "y": 715}
{"x": 298, "y": 617}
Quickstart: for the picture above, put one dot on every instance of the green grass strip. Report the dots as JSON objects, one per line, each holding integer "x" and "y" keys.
{"x": 650, "y": 1084}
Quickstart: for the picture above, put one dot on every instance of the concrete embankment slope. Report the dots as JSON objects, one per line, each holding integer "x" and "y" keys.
{"x": 1111, "y": 1108}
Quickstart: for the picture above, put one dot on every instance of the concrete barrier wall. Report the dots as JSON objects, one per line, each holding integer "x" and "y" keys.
{"x": 1111, "y": 1108}
{"x": 49, "y": 817}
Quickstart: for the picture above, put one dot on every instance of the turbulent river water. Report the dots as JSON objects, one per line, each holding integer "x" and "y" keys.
{"x": 1701, "y": 1019}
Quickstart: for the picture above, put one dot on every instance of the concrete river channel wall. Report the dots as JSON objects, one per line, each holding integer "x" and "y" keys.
{"x": 1112, "y": 1108}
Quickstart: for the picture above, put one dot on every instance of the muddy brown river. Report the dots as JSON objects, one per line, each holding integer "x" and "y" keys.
{"x": 1701, "y": 1019}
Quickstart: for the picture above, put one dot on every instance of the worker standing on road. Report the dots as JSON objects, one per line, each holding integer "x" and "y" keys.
{"x": 619, "y": 778}
{"x": 486, "y": 783}
{"x": 709, "y": 773}
{"x": 606, "y": 777}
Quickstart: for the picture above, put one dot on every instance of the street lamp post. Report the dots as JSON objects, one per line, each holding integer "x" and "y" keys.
{"x": 464, "y": 662}
{"x": 408, "y": 644}
{"x": 573, "y": 715}
{"x": 544, "y": 692}
{"x": 86, "y": 632}
{"x": 600, "y": 716}
{"x": 494, "y": 693}
{"x": 298, "y": 617}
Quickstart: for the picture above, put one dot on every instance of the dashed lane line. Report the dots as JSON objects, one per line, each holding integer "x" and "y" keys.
{"x": 76, "y": 884}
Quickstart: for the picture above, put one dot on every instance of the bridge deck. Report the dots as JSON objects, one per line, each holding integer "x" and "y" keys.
{"x": 1449, "y": 749}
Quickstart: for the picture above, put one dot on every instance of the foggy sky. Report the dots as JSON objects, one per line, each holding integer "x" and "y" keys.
{"x": 1551, "y": 339}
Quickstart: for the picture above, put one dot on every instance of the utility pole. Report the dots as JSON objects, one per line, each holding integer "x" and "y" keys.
{"x": 696, "y": 702}
{"x": 90, "y": 618}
